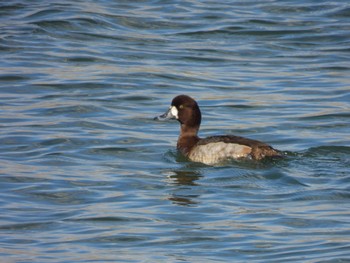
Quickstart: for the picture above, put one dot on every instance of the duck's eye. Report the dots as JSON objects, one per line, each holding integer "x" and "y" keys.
{"x": 181, "y": 106}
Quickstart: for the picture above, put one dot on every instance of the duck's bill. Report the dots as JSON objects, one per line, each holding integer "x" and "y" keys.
{"x": 171, "y": 113}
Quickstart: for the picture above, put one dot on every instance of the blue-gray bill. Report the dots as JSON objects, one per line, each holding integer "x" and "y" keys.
{"x": 171, "y": 113}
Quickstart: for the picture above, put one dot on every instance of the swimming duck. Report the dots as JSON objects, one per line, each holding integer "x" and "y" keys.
{"x": 213, "y": 149}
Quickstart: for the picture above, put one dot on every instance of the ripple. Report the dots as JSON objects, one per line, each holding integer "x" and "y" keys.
{"x": 108, "y": 219}
{"x": 13, "y": 78}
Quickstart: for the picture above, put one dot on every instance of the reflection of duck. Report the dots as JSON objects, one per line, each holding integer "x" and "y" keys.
{"x": 180, "y": 200}
{"x": 184, "y": 195}
{"x": 213, "y": 149}
{"x": 185, "y": 177}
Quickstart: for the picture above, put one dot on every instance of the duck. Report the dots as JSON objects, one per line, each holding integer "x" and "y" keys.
{"x": 213, "y": 149}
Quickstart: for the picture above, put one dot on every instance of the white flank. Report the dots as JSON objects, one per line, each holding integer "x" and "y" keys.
{"x": 212, "y": 153}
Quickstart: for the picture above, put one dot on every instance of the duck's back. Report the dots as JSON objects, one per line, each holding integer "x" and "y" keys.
{"x": 218, "y": 148}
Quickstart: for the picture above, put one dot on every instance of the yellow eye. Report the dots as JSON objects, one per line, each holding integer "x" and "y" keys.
{"x": 181, "y": 106}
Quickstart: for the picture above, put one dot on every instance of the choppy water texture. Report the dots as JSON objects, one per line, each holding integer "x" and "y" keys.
{"x": 87, "y": 175}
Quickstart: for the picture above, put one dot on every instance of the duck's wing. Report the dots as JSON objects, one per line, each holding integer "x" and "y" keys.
{"x": 259, "y": 150}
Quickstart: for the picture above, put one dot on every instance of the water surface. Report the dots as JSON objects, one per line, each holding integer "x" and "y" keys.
{"x": 88, "y": 175}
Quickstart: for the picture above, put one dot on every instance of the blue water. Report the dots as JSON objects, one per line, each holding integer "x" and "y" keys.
{"x": 87, "y": 175}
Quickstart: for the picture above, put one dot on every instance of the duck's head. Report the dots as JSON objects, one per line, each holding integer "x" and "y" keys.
{"x": 184, "y": 109}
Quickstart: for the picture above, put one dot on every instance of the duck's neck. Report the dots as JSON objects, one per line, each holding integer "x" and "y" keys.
{"x": 187, "y": 139}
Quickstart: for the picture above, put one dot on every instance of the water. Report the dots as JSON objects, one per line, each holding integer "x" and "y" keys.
{"x": 87, "y": 175}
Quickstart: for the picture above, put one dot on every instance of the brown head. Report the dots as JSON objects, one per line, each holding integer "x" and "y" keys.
{"x": 184, "y": 109}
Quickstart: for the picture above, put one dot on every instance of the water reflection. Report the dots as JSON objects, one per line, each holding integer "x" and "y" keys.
{"x": 185, "y": 191}
{"x": 180, "y": 200}
{"x": 185, "y": 177}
